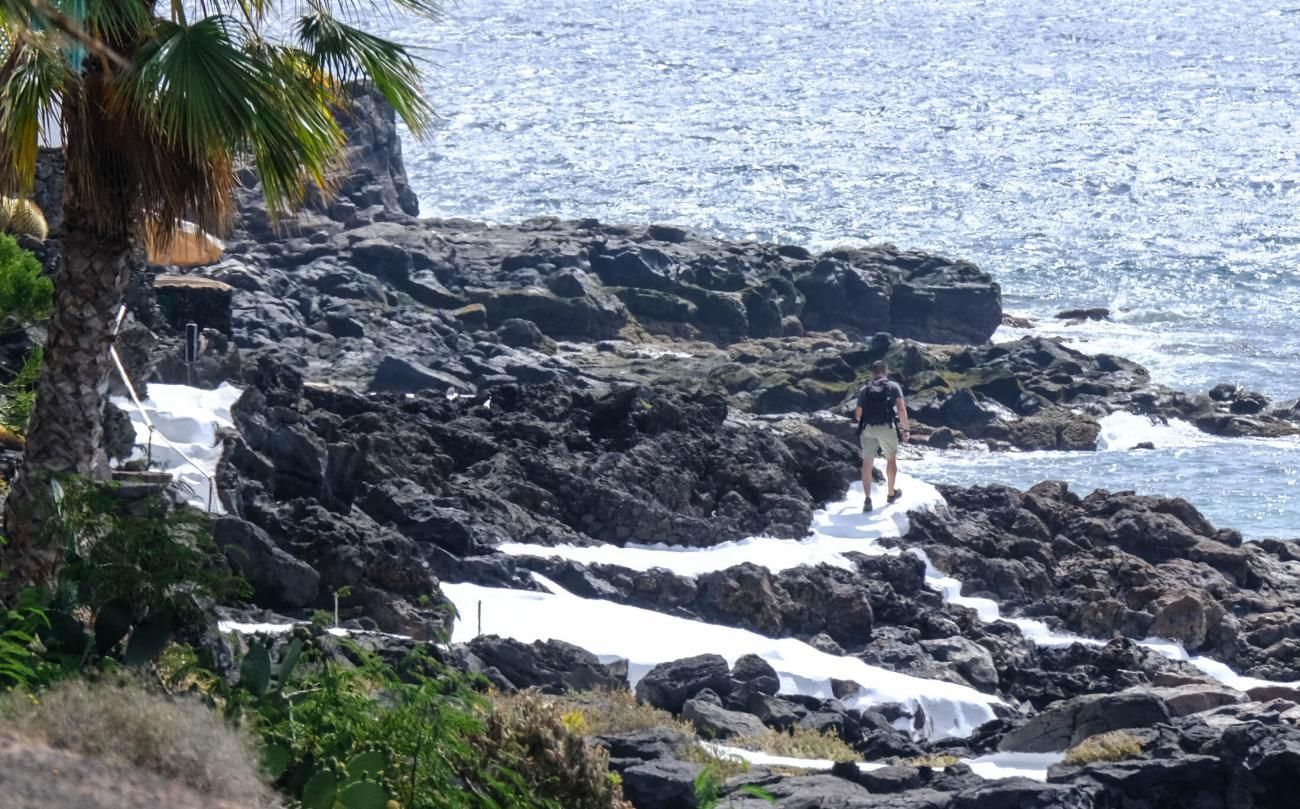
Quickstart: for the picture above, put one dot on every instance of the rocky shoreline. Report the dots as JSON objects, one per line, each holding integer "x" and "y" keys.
{"x": 419, "y": 392}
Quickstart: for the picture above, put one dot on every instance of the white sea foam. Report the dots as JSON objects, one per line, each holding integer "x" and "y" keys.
{"x": 1122, "y": 431}
{"x": 185, "y": 423}
{"x": 838, "y": 529}
{"x": 646, "y": 638}
{"x": 992, "y": 766}
{"x": 841, "y": 528}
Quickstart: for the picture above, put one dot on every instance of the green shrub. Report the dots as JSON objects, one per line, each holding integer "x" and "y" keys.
{"x": 428, "y": 739}
{"x": 180, "y": 739}
{"x": 605, "y": 711}
{"x": 1115, "y": 745}
{"x": 559, "y": 764}
{"x": 18, "y": 396}
{"x": 710, "y": 782}
{"x": 149, "y": 555}
{"x": 21, "y": 665}
{"x": 26, "y": 294}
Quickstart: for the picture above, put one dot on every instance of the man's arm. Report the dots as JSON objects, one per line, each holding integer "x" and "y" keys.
{"x": 857, "y": 415}
{"x": 903, "y": 423}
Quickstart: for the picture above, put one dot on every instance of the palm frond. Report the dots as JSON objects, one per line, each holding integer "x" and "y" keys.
{"x": 432, "y": 9}
{"x": 207, "y": 101}
{"x": 32, "y": 79}
{"x": 42, "y": 15}
{"x": 348, "y": 53}
{"x": 111, "y": 21}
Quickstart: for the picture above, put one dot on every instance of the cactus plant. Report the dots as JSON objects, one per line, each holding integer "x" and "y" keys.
{"x": 353, "y": 790}
{"x": 22, "y": 217}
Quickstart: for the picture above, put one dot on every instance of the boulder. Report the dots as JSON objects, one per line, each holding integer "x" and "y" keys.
{"x": 1067, "y": 723}
{"x": 970, "y": 660}
{"x": 661, "y": 784}
{"x": 1022, "y": 793}
{"x": 1186, "y": 617}
{"x": 400, "y": 375}
{"x": 827, "y": 791}
{"x": 552, "y": 666}
{"x": 755, "y": 674}
{"x": 773, "y": 711}
{"x": 630, "y": 749}
{"x": 887, "y": 780}
{"x": 669, "y": 685}
{"x": 594, "y": 316}
{"x": 712, "y": 721}
{"x": 1184, "y": 700}
{"x": 279, "y": 580}
{"x": 417, "y": 515}
{"x": 1095, "y": 313}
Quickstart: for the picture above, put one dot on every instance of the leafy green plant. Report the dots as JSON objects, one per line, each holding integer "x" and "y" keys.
{"x": 21, "y": 664}
{"x": 26, "y": 293}
{"x": 113, "y": 634}
{"x": 150, "y": 557}
{"x": 19, "y": 394}
{"x": 337, "y": 720}
{"x": 605, "y": 711}
{"x": 352, "y": 787}
{"x": 708, "y": 789}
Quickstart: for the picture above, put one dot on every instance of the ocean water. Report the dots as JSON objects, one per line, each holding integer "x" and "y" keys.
{"x": 1140, "y": 156}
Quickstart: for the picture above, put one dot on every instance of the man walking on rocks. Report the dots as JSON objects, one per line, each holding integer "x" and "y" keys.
{"x": 880, "y": 411}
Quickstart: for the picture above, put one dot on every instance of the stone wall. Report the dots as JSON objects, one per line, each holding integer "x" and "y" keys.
{"x": 49, "y": 187}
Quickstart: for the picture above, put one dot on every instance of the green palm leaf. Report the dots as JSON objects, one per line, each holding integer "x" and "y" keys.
{"x": 348, "y": 53}
{"x": 32, "y": 78}
{"x": 206, "y": 98}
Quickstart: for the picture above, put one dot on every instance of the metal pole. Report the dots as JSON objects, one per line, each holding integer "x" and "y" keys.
{"x": 480, "y": 619}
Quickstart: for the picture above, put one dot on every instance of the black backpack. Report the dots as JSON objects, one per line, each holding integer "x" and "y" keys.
{"x": 877, "y": 402}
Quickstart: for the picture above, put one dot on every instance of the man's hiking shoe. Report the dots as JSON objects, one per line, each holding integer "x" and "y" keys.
{"x": 897, "y": 494}
{"x": 866, "y": 506}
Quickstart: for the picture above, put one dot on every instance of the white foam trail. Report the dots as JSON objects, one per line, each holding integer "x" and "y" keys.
{"x": 646, "y": 638}
{"x": 992, "y": 766}
{"x": 189, "y": 418}
{"x": 760, "y": 759}
{"x": 838, "y": 529}
{"x": 1014, "y": 765}
{"x": 841, "y": 528}
{"x": 247, "y": 628}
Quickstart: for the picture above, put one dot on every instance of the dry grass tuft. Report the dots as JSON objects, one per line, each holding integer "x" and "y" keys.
{"x": 800, "y": 743}
{"x": 726, "y": 766}
{"x": 1115, "y": 745}
{"x": 603, "y": 712}
{"x": 542, "y": 732}
{"x": 179, "y": 739}
{"x": 935, "y": 762}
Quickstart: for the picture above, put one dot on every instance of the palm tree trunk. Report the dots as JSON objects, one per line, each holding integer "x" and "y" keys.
{"x": 66, "y": 431}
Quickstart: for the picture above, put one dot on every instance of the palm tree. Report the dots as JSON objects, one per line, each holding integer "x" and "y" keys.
{"x": 156, "y": 105}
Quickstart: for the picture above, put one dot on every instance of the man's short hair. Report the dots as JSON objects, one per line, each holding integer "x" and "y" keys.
{"x": 879, "y": 367}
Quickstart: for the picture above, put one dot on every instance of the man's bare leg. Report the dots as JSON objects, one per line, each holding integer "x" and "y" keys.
{"x": 891, "y": 471}
{"x": 867, "y": 466}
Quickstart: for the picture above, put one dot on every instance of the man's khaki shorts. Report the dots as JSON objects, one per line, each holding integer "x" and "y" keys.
{"x": 882, "y": 437}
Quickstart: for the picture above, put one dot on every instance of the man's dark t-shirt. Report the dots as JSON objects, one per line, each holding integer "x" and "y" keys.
{"x": 878, "y": 400}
